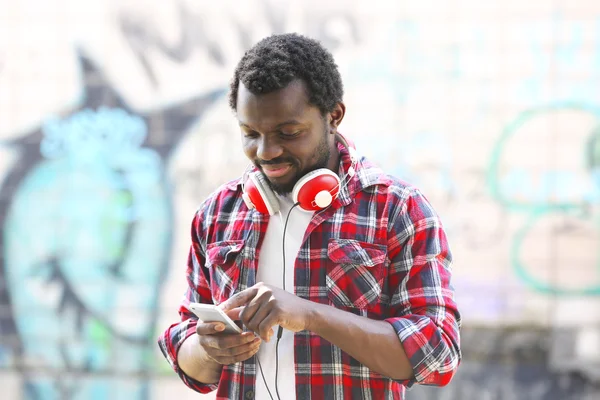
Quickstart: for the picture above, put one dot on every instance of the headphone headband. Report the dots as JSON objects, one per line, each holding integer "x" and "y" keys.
{"x": 351, "y": 150}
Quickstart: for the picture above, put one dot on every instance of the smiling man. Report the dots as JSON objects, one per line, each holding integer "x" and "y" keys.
{"x": 346, "y": 295}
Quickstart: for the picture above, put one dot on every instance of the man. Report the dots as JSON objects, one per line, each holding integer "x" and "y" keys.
{"x": 351, "y": 301}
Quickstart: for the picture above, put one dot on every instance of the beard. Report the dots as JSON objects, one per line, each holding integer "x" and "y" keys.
{"x": 322, "y": 153}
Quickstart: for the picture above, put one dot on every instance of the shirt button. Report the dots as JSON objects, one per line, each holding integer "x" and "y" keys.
{"x": 249, "y": 395}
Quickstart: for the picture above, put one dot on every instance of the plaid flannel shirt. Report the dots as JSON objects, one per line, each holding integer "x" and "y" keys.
{"x": 378, "y": 251}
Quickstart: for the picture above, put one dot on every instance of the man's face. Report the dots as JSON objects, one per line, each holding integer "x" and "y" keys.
{"x": 284, "y": 135}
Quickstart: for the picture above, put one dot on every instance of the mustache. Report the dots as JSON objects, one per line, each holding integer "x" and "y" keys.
{"x": 275, "y": 161}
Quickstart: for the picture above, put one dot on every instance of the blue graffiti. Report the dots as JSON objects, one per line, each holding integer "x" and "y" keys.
{"x": 87, "y": 239}
{"x": 550, "y": 186}
{"x": 554, "y": 193}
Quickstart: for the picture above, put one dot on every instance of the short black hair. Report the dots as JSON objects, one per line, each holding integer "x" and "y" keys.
{"x": 277, "y": 60}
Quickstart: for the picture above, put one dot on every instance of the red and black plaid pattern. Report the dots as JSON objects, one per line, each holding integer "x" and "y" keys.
{"x": 379, "y": 251}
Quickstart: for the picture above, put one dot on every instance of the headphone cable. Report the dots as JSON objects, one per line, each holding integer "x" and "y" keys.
{"x": 280, "y": 329}
{"x": 263, "y": 376}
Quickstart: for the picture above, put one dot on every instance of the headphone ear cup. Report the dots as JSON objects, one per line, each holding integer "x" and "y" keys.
{"x": 316, "y": 190}
{"x": 258, "y": 194}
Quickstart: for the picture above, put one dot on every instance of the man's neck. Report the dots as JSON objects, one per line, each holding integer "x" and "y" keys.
{"x": 334, "y": 160}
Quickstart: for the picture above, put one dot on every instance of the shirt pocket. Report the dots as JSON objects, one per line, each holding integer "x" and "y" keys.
{"x": 355, "y": 272}
{"x": 223, "y": 260}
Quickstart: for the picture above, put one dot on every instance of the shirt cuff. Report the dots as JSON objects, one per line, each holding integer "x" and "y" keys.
{"x": 170, "y": 342}
{"x": 428, "y": 353}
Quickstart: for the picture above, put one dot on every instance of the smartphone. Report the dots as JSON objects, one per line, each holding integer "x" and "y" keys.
{"x": 212, "y": 313}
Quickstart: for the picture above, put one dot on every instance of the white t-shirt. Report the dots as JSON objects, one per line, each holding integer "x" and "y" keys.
{"x": 270, "y": 272}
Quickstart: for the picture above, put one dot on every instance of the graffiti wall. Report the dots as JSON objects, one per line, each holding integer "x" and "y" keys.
{"x": 114, "y": 126}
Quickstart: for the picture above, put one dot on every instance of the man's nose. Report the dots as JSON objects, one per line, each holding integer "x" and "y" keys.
{"x": 268, "y": 149}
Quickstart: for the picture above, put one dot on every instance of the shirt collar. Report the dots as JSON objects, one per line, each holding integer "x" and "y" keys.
{"x": 366, "y": 174}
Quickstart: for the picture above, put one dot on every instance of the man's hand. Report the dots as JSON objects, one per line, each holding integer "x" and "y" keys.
{"x": 226, "y": 348}
{"x": 262, "y": 306}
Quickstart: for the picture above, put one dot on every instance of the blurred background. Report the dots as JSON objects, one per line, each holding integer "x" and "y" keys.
{"x": 114, "y": 126}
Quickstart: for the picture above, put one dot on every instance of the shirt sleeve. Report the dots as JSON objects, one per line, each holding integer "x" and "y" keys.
{"x": 426, "y": 317}
{"x": 198, "y": 291}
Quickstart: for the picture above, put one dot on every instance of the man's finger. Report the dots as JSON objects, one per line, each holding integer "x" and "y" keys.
{"x": 234, "y": 314}
{"x": 234, "y": 351}
{"x": 253, "y": 315}
{"x": 238, "y": 358}
{"x": 239, "y": 299}
{"x": 226, "y": 341}
{"x": 209, "y": 328}
{"x": 265, "y": 328}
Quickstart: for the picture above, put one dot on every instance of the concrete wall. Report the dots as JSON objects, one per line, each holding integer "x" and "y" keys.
{"x": 114, "y": 125}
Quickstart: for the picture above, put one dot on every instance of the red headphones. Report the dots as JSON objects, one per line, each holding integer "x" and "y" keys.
{"x": 314, "y": 191}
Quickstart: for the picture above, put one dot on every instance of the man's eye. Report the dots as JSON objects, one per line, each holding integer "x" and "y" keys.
{"x": 290, "y": 134}
{"x": 250, "y": 134}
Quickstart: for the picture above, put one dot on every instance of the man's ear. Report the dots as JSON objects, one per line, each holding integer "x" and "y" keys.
{"x": 336, "y": 116}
